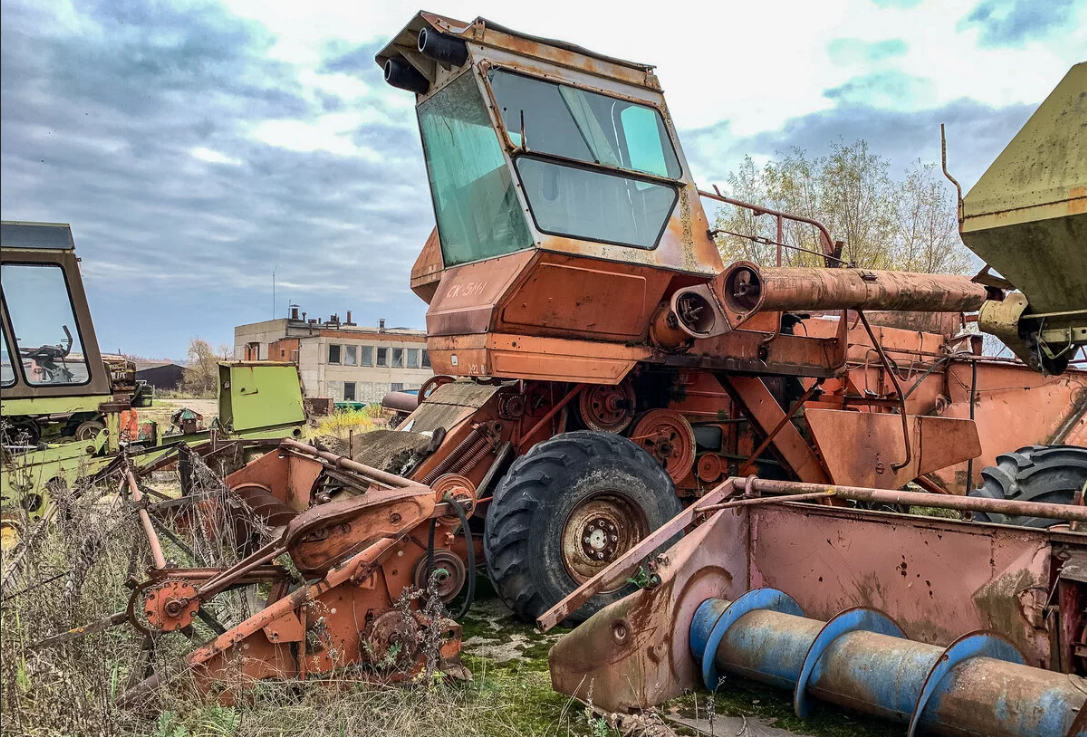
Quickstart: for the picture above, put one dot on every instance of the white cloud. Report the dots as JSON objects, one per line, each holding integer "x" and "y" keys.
{"x": 755, "y": 64}
{"x": 212, "y": 156}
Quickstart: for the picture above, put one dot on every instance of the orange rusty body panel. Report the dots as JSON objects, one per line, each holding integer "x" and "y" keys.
{"x": 426, "y": 272}
{"x": 518, "y": 356}
{"x": 861, "y": 448}
{"x": 466, "y": 299}
{"x": 574, "y": 297}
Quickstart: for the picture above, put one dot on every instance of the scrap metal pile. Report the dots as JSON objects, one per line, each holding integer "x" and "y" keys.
{"x": 743, "y": 441}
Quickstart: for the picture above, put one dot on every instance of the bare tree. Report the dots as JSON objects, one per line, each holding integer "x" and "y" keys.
{"x": 908, "y": 224}
{"x": 202, "y": 373}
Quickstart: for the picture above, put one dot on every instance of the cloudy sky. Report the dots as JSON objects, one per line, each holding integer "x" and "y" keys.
{"x": 196, "y": 147}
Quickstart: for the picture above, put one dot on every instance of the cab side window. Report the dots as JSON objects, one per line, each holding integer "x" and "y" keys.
{"x": 46, "y": 335}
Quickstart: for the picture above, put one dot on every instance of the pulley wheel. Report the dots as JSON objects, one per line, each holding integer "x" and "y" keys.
{"x": 607, "y": 408}
{"x": 461, "y": 489}
{"x": 667, "y": 436}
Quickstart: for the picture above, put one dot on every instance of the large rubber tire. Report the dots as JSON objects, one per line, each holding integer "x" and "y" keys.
{"x": 1035, "y": 473}
{"x": 528, "y": 516}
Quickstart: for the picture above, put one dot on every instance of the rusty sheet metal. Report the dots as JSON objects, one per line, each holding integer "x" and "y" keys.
{"x": 286, "y": 476}
{"x": 467, "y": 296}
{"x": 936, "y": 578}
{"x": 860, "y": 448}
{"x": 1013, "y": 407}
{"x": 636, "y": 652}
{"x": 528, "y": 357}
{"x": 571, "y": 297}
{"x": 427, "y": 270}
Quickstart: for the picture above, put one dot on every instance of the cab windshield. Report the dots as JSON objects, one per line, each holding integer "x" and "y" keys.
{"x": 549, "y": 121}
{"x": 475, "y": 202}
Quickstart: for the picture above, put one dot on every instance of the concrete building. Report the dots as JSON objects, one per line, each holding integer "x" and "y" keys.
{"x": 338, "y": 359}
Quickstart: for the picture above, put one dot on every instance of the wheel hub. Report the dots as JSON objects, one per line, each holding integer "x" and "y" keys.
{"x": 598, "y": 531}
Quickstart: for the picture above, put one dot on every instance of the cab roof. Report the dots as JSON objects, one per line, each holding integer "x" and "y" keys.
{"x": 53, "y": 236}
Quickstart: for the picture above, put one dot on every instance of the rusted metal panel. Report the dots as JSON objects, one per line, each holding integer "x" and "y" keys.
{"x": 585, "y": 298}
{"x": 465, "y": 300}
{"x": 860, "y": 448}
{"x": 937, "y": 579}
{"x": 427, "y": 270}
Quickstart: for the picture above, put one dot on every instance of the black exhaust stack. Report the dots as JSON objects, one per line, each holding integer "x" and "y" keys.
{"x": 442, "y": 48}
{"x": 402, "y": 75}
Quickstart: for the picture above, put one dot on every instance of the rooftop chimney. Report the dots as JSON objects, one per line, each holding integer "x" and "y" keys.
{"x": 381, "y": 325}
{"x": 294, "y": 312}
{"x": 349, "y": 318}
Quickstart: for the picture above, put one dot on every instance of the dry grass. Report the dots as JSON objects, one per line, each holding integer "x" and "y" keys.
{"x": 75, "y": 575}
{"x": 342, "y": 423}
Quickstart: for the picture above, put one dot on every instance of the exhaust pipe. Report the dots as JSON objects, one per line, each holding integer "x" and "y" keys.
{"x": 402, "y": 75}
{"x": 442, "y": 48}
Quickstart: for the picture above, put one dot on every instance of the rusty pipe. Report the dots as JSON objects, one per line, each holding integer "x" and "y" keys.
{"x": 914, "y": 498}
{"x": 145, "y": 520}
{"x": 400, "y": 401}
{"x": 745, "y": 288}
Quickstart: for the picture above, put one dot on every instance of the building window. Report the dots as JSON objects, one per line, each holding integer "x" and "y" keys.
{"x": 333, "y": 353}
{"x": 413, "y": 358}
{"x": 349, "y": 391}
{"x": 426, "y": 358}
{"x": 350, "y": 355}
{"x": 366, "y": 355}
{"x": 252, "y": 352}
{"x": 398, "y": 358}
{"x": 396, "y": 387}
{"x": 382, "y": 356}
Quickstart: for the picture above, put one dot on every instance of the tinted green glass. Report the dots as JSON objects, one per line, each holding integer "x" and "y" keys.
{"x": 474, "y": 197}
{"x": 588, "y": 126}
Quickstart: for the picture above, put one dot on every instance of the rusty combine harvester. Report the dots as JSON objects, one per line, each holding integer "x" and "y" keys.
{"x": 609, "y": 384}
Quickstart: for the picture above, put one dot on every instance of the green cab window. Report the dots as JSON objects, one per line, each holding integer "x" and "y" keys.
{"x": 475, "y": 200}
{"x": 587, "y": 126}
{"x": 556, "y": 127}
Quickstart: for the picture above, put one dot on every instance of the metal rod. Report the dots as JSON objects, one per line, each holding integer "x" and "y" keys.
{"x": 760, "y": 500}
{"x": 828, "y": 242}
{"x": 550, "y": 414}
{"x": 898, "y": 390}
{"x": 145, "y": 520}
{"x": 922, "y": 499}
{"x": 376, "y": 474}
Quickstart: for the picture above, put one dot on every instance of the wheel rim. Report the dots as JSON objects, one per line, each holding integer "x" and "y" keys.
{"x": 599, "y": 530}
